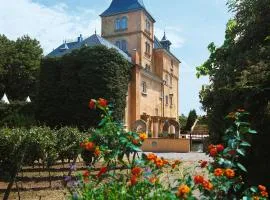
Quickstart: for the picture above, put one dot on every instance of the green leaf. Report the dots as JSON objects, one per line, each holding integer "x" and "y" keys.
{"x": 252, "y": 131}
{"x": 241, "y": 167}
{"x": 241, "y": 152}
{"x": 245, "y": 144}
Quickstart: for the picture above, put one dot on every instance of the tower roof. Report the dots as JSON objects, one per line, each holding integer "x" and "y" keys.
{"x": 123, "y": 6}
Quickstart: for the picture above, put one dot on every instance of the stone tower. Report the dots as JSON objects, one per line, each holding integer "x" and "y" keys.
{"x": 128, "y": 25}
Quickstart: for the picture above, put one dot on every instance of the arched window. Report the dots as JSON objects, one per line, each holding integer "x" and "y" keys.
{"x": 117, "y": 24}
{"x": 124, "y": 23}
{"x": 124, "y": 45}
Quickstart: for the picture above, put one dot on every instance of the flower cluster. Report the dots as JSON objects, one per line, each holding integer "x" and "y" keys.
{"x": 91, "y": 147}
{"x": 214, "y": 150}
{"x": 159, "y": 162}
{"x": 183, "y": 191}
{"x": 229, "y": 173}
{"x": 135, "y": 174}
{"x": 101, "y": 103}
{"x": 199, "y": 180}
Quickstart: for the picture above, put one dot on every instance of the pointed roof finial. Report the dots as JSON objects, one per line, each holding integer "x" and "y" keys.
{"x": 95, "y": 31}
{"x": 164, "y": 36}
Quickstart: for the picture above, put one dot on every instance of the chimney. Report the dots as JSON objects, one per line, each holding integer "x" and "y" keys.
{"x": 80, "y": 38}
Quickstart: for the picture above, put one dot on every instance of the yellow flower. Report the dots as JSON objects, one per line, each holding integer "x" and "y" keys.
{"x": 183, "y": 190}
{"x": 143, "y": 136}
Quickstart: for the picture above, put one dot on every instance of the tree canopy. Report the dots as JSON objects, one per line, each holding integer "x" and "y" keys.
{"x": 68, "y": 83}
{"x": 239, "y": 73}
{"x": 19, "y": 66}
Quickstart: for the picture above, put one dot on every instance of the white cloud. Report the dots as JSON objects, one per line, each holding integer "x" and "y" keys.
{"x": 50, "y": 25}
{"x": 173, "y": 34}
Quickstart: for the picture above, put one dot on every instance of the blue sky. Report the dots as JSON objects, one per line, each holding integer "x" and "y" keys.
{"x": 190, "y": 24}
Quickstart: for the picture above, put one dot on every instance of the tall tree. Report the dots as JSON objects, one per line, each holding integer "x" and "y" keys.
{"x": 239, "y": 74}
{"x": 19, "y": 67}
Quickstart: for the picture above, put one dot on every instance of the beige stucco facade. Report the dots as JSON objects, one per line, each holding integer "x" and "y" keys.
{"x": 153, "y": 93}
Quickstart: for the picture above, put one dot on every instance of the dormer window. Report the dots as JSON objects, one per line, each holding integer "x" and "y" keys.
{"x": 118, "y": 44}
{"x": 122, "y": 44}
{"x": 124, "y": 23}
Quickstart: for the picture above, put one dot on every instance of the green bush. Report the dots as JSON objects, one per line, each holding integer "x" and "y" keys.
{"x": 17, "y": 114}
{"x": 66, "y": 84}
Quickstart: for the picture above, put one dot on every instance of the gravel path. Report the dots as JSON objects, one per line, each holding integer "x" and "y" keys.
{"x": 185, "y": 156}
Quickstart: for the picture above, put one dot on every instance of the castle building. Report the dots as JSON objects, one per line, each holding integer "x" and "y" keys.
{"x": 153, "y": 94}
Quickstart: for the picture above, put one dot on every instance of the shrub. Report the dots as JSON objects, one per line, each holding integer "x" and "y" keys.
{"x": 67, "y": 82}
{"x": 142, "y": 177}
{"x": 17, "y": 114}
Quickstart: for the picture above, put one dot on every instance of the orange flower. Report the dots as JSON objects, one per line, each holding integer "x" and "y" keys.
{"x": 89, "y": 146}
{"x": 211, "y": 146}
{"x": 143, "y": 136}
{"x": 102, "y": 171}
{"x": 229, "y": 173}
{"x": 213, "y": 152}
{"x": 97, "y": 152}
{"x": 136, "y": 142}
{"x": 198, "y": 179}
{"x": 153, "y": 180}
{"x": 256, "y": 198}
{"x": 159, "y": 162}
{"x": 203, "y": 164}
{"x": 264, "y": 193}
{"x": 165, "y": 162}
{"x": 261, "y": 188}
{"x": 183, "y": 190}
{"x": 207, "y": 185}
{"x": 218, "y": 172}
{"x": 102, "y": 102}
{"x": 220, "y": 147}
{"x": 151, "y": 157}
{"x": 176, "y": 162}
{"x": 133, "y": 180}
{"x": 92, "y": 104}
{"x": 86, "y": 174}
{"x": 136, "y": 171}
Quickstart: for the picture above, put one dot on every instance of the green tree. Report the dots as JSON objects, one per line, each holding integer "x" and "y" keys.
{"x": 239, "y": 72}
{"x": 192, "y": 116}
{"x": 68, "y": 83}
{"x": 19, "y": 67}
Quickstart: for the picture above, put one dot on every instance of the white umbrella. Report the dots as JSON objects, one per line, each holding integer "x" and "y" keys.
{"x": 28, "y": 100}
{"x": 5, "y": 99}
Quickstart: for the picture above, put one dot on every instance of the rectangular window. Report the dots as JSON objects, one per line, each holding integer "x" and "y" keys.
{"x": 167, "y": 100}
{"x": 144, "y": 87}
{"x": 171, "y": 100}
{"x": 156, "y": 111}
{"x": 171, "y": 80}
{"x": 147, "y": 48}
{"x": 147, "y": 25}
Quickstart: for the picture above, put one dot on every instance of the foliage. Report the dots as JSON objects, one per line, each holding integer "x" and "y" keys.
{"x": 143, "y": 176}
{"x": 19, "y": 67}
{"x": 17, "y": 114}
{"x": 183, "y": 121}
{"x": 67, "y": 82}
{"x": 20, "y": 146}
{"x": 192, "y": 116}
{"x": 239, "y": 74}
